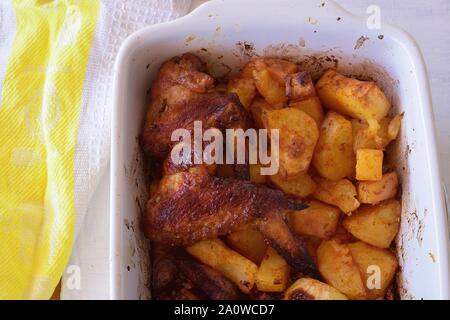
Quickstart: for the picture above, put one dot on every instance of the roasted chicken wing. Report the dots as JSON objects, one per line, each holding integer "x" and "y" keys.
{"x": 179, "y": 96}
{"x": 193, "y": 205}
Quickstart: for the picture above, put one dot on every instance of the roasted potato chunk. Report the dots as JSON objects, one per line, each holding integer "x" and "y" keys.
{"x": 278, "y": 68}
{"x": 301, "y": 186}
{"x": 341, "y": 194}
{"x": 374, "y": 192}
{"x": 298, "y": 138}
{"x": 248, "y": 242}
{"x": 366, "y": 135}
{"x": 376, "y": 225}
{"x": 373, "y": 134}
{"x": 333, "y": 157}
{"x": 247, "y": 70}
{"x": 299, "y": 86}
{"x": 272, "y": 91}
{"x": 358, "y": 99}
{"x": 336, "y": 265}
{"x": 231, "y": 264}
{"x": 394, "y": 127}
{"x": 319, "y": 220}
{"x": 377, "y": 267}
{"x": 311, "y": 289}
{"x": 245, "y": 89}
{"x": 302, "y": 95}
{"x": 369, "y": 164}
{"x": 269, "y": 77}
{"x": 312, "y": 107}
{"x": 389, "y": 129}
{"x": 273, "y": 273}
{"x": 259, "y": 110}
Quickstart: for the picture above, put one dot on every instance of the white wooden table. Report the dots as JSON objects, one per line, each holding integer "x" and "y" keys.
{"x": 427, "y": 21}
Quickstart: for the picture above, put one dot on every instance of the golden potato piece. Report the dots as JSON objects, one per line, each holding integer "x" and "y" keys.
{"x": 369, "y": 164}
{"x": 389, "y": 129}
{"x": 255, "y": 174}
{"x": 341, "y": 194}
{"x": 336, "y": 265}
{"x": 278, "y": 68}
{"x": 376, "y": 225}
{"x": 358, "y": 99}
{"x": 383, "y": 132}
{"x": 231, "y": 264}
{"x": 259, "y": 110}
{"x": 273, "y": 273}
{"x": 301, "y": 186}
{"x": 394, "y": 127}
{"x": 247, "y": 70}
{"x": 333, "y": 157}
{"x": 248, "y": 242}
{"x": 302, "y": 95}
{"x": 272, "y": 91}
{"x": 311, "y": 289}
{"x": 244, "y": 88}
{"x": 298, "y": 134}
{"x": 319, "y": 220}
{"x": 366, "y": 136}
{"x": 374, "y": 192}
{"x": 374, "y": 134}
{"x": 312, "y": 107}
{"x": 377, "y": 267}
{"x": 299, "y": 86}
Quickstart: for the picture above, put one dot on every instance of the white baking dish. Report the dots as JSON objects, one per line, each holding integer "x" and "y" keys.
{"x": 226, "y": 33}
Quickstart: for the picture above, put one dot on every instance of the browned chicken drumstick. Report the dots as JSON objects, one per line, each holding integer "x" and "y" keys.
{"x": 193, "y": 205}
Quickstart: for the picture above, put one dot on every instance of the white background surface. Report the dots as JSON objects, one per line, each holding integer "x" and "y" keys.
{"x": 427, "y": 21}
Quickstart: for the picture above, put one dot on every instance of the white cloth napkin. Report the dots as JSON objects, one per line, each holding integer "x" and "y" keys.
{"x": 117, "y": 20}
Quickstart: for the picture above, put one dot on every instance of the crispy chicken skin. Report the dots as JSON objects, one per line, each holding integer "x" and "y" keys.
{"x": 181, "y": 94}
{"x": 180, "y": 79}
{"x": 193, "y": 205}
{"x": 169, "y": 167}
{"x": 167, "y": 281}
